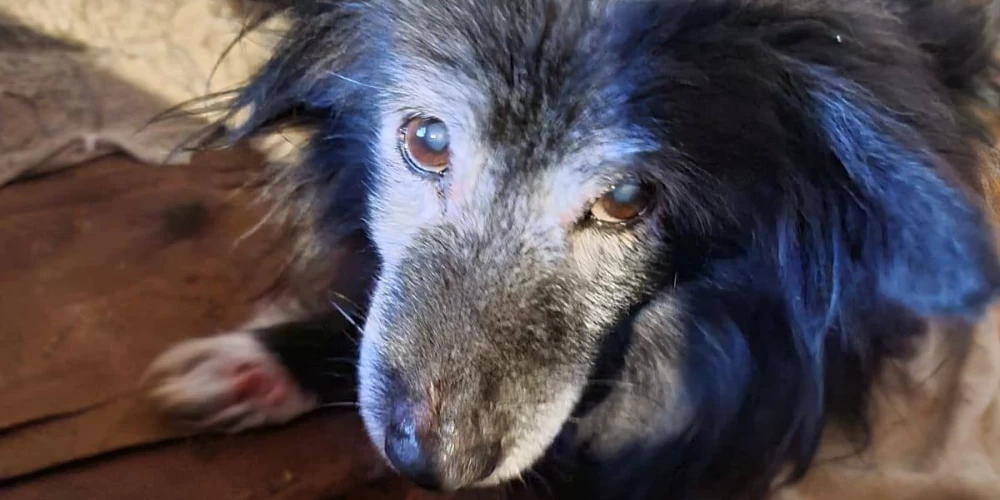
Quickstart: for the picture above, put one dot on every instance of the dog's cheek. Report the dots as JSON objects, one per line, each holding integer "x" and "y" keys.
{"x": 647, "y": 399}
{"x": 401, "y": 203}
{"x": 638, "y": 417}
{"x": 613, "y": 268}
{"x": 537, "y": 428}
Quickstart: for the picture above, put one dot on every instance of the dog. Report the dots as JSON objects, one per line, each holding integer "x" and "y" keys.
{"x": 668, "y": 240}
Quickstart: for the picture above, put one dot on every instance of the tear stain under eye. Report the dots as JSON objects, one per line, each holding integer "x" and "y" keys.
{"x": 441, "y": 186}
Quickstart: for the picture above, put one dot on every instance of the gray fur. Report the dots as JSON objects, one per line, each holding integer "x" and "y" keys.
{"x": 488, "y": 290}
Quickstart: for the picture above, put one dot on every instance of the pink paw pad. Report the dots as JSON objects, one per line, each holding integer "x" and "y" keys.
{"x": 230, "y": 383}
{"x": 257, "y": 383}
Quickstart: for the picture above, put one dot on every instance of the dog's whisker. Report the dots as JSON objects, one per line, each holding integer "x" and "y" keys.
{"x": 542, "y": 481}
{"x": 346, "y": 315}
{"x": 339, "y": 404}
{"x": 349, "y": 361}
{"x": 356, "y": 82}
{"x": 347, "y": 300}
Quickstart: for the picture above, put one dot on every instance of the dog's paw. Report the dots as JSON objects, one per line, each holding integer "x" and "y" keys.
{"x": 226, "y": 383}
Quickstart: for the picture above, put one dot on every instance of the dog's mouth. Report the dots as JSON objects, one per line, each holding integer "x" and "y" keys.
{"x": 442, "y": 454}
{"x": 454, "y": 443}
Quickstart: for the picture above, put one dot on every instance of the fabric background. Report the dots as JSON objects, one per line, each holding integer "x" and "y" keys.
{"x": 82, "y": 78}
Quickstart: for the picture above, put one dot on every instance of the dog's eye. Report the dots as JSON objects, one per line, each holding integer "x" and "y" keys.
{"x": 425, "y": 144}
{"x": 625, "y": 202}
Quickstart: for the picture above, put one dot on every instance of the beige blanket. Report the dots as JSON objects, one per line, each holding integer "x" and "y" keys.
{"x": 82, "y": 78}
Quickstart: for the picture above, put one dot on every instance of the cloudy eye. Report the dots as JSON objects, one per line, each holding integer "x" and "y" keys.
{"x": 424, "y": 143}
{"x": 625, "y": 202}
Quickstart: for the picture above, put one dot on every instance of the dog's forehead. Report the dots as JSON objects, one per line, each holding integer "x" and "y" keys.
{"x": 538, "y": 69}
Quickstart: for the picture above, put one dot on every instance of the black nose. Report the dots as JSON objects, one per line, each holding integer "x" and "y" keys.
{"x": 410, "y": 455}
{"x": 415, "y": 449}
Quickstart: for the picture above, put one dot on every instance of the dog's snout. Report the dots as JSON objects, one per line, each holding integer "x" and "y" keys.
{"x": 420, "y": 449}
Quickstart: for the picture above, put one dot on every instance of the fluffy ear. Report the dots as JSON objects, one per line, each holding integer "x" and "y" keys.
{"x": 962, "y": 38}
{"x": 927, "y": 243}
{"x": 320, "y": 78}
{"x": 315, "y": 71}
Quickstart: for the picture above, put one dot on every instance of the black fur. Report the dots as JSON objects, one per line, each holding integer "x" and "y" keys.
{"x": 829, "y": 195}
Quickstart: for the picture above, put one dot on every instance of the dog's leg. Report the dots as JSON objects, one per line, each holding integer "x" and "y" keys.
{"x": 259, "y": 375}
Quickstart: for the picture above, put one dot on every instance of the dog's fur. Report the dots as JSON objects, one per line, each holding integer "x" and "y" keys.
{"x": 816, "y": 198}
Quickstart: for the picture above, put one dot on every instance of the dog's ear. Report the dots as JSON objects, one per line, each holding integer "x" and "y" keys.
{"x": 926, "y": 241}
{"x": 255, "y": 11}
{"x": 318, "y": 80}
{"x": 315, "y": 70}
{"x": 962, "y": 38}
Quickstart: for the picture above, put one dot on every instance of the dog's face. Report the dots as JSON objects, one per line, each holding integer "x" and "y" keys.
{"x": 550, "y": 184}
{"x": 516, "y": 222}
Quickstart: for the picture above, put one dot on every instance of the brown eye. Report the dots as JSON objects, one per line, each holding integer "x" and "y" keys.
{"x": 425, "y": 144}
{"x": 625, "y": 202}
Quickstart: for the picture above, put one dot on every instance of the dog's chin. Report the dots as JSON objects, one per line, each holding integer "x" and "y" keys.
{"x": 516, "y": 464}
{"x": 530, "y": 446}
{"x": 511, "y": 469}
